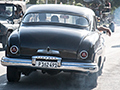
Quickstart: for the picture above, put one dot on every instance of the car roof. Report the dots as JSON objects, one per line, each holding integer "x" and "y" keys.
{"x": 21, "y": 3}
{"x": 61, "y": 8}
{"x": 12, "y": 2}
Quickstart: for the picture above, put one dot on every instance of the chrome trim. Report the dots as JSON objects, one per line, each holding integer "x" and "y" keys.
{"x": 98, "y": 49}
{"x": 48, "y": 52}
{"x": 86, "y": 67}
{"x": 46, "y": 57}
{"x": 13, "y": 61}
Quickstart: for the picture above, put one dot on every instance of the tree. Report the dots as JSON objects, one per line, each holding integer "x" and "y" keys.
{"x": 115, "y": 4}
{"x": 32, "y": 1}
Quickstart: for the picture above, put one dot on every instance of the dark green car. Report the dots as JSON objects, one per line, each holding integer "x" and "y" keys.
{"x": 54, "y": 39}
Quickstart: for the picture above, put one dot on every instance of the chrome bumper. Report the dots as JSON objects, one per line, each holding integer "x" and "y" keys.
{"x": 70, "y": 66}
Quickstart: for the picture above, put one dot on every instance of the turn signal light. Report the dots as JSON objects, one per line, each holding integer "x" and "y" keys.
{"x": 14, "y": 49}
{"x": 83, "y": 54}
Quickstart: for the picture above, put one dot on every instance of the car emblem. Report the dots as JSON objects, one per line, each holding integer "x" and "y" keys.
{"x": 48, "y": 51}
{"x": 48, "y": 48}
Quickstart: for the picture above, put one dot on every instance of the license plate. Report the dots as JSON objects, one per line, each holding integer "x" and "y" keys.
{"x": 46, "y": 64}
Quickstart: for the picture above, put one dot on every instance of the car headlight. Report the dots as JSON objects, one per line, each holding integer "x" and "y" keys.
{"x": 83, "y": 54}
{"x": 14, "y": 49}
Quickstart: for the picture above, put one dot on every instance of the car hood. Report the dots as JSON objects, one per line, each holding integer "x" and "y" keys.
{"x": 8, "y": 24}
{"x": 3, "y": 21}
{"x": 56, "y": 38}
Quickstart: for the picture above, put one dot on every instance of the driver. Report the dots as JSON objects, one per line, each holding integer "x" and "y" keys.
{"x": 2, "y": 9}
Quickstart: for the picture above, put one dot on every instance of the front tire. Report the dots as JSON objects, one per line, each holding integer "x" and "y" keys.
{"x": 91, "y": 80}
{"x": 13, "y": 75}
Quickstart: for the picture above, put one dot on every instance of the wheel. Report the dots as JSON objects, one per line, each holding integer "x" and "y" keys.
{"x": 5, "y": 38}
{"x": 100, "y": 68}
{"x": 91, "y": 80}
{"x": 99, "y": 62}
{"x": 112, "y": 27}
{"x": 13, "y": 75}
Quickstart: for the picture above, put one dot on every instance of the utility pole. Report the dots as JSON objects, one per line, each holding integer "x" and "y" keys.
{"x": 67, "y": 1}
{"x": 46, "y": 1}
{"x": 55, "y": 1}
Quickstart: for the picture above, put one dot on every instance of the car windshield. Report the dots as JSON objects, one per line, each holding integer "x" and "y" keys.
{"x": 6, "y": 10}
{"x": 57, "y": 18}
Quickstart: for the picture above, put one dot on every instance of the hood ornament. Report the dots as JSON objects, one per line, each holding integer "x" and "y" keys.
{"x": 48, "y": 48}
{"x": 48, "y": 51}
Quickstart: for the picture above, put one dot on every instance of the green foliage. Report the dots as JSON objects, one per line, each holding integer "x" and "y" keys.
{"x": 32, "y": 1}
{"x": 115, "y": 4}
{"x": 78, "y": 1}
{"x": 63, "y": 1}
{"x": 79, "y": 4}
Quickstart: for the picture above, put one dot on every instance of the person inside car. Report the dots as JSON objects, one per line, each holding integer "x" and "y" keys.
{"x": 18, "y": 12}
{"x": 42, "y": 17}
{"x": 54, "y": 18}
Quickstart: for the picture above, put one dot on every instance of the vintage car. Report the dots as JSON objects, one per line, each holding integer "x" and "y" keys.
{"x": 10, "y": 16}
{"x": 54, "y": 38}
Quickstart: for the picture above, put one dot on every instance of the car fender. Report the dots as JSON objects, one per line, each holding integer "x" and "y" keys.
{"x": 13, "y": 40}
{"x": 90, "y": 43}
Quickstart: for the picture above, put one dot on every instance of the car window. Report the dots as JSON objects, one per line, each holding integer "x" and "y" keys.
{"x": 6, "y": 10}
{"x": 58, "y": 18}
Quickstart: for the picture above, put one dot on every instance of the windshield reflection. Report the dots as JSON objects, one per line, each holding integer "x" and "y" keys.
{"x": 56, "y": 18}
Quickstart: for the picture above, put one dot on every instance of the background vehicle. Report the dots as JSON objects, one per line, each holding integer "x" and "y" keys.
{"x": 10, "y": 17}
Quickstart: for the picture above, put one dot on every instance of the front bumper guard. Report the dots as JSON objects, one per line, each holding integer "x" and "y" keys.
{"x": 65, "y": 66}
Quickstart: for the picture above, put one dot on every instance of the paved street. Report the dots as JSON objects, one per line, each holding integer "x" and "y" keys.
{"x": 108, "y": 80}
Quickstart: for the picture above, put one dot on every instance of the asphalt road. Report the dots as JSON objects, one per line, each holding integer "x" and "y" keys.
{"x": 109, "y": 79}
